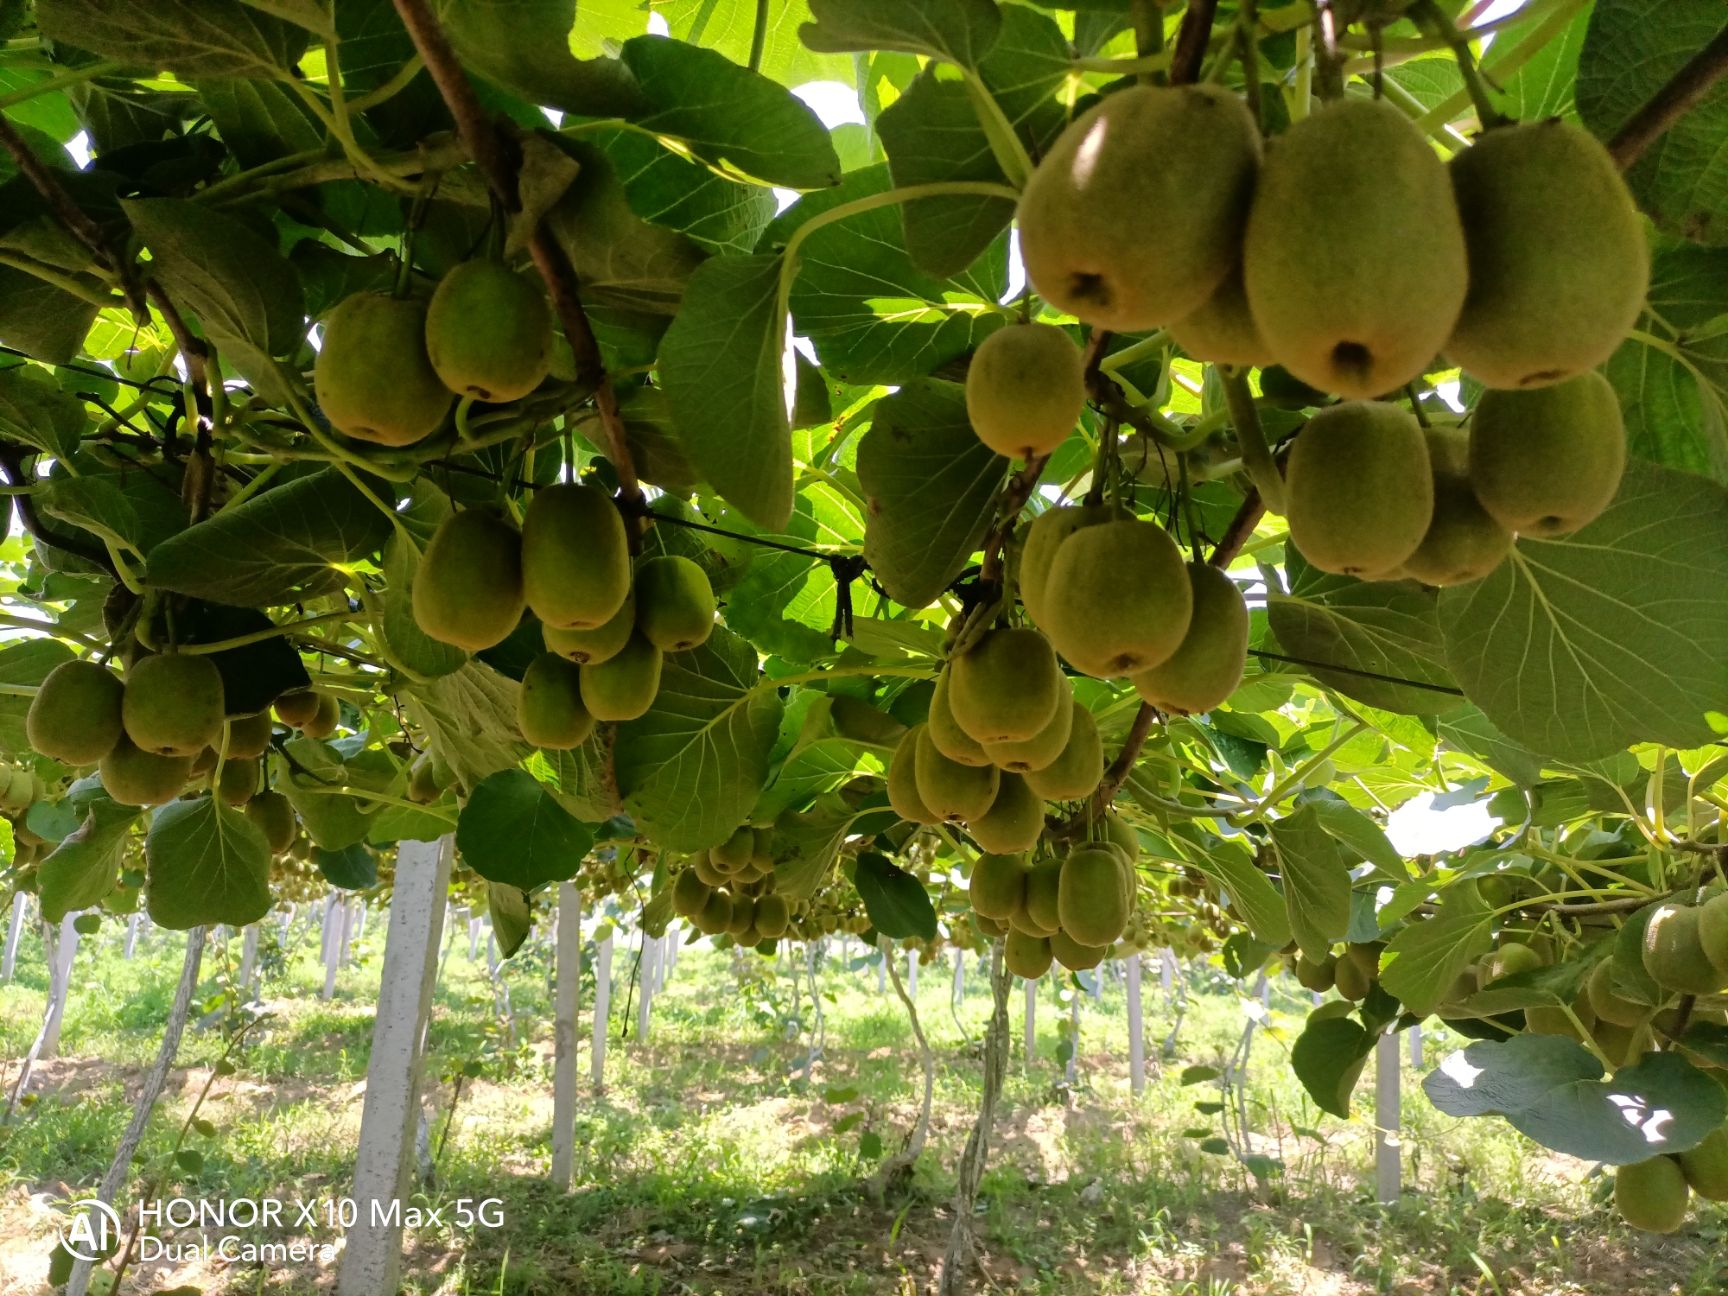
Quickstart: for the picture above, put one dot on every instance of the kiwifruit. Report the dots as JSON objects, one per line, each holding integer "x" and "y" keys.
{"x": 1223, "y": 330}
{"x": 423, "y": 785}
{"x": 702, "y": 864}
{"x": 249, "y": 735}
{"x": 1652, "y": 1195}
{"x": 743, "y": 915}
{"x": 903, "y": 780}
{"x": 1674, "y": 952}
{"x": 549, "y": 709}
{"x": 1351, "y": 980}
{"x": 1606, "y": 1003}
{"x": 75, "y": 716}
{"x": 238, "y": 781}
{"x": 205, "y": 762}
{"x": 1090, "y": 897}
{"x": 1025, "y": 389}
{"x": 716, "y": 914}
{"x": 173, "y": 704}
{"x": 489, "y": 332}
{"x": 1360, "y": 493}
{"x": 773, "y": 915}
{"x": 1043, "y": 537}
{"x": 1044, "y": 747}
{"x": 596, "y": 645}
{"x": 1552, "y": 1019}
{"x": 1354, "y": 254}
{"x": 1558, "y": 263}
{"x": 1511, "y": 958}
{"x": 372, "y": 378}
{"x": 998, "y": 885}
{"x": 1015, "y": 819}
{"x": 1007, "y": 687}
{"x": 1044, "y": 895}
{"x": 1026, "y": 956}
{"x": 625, "y": 685}
{"x": 575, "y": 557}
{"x": 1464, "y": 541}
{"x": 736, "y": 851}
{"x": 1079, "y": 768}
{"x": 1133, "y": 569}
{"x": 1208, "y": 665}
{"x": 1545, "y": 461}
{"x": 325, "y": 718}
{"x": 674, "y": 602}
{"x": 1074, "y": 956}
{"x": 1706, "y": 1165}
{"x": 952, "y": 792}
{"x": 865, "y": 722}
{"x": 295, "y": 707}
{"x": 136, "y": 777}
{"x": 274, "y": 815}
{"x": 689, "y": 894}
{"x": 1621, "y": 1045}
{"x": 468, "y": 590}
{"x": 762, "y": 850}
{"x": 1713, "y": 930}
{"x": 989, "y": 928}
{"x": 1318, "y": 977}
{"x": 950, "y": 739}
{"x": 1182, "y": 157}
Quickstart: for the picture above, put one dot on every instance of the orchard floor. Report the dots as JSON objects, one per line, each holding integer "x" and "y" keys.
{"x": 711, "y": 1165}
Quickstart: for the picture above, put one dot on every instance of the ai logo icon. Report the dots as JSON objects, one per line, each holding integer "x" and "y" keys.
{"x": 94, "y": 1231}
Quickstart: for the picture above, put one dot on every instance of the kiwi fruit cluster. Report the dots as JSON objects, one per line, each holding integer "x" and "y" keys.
{"x": 1686, "y": 946}
{"x": 390, "y": 367}
{"x": 1654, "y": 1195}
{"x": 729, "y": 890}
{"x": 1353, "y": 972}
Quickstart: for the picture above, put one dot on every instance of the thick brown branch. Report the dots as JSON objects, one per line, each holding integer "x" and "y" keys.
{"x": 1117, "y": 773}
{"x": 1013, "y": 498}
{"x": 1673, "y": 101}
{"x": 1241, "y": 528}
{"x": 1191, "y": 41}
{"x": 14, "y": 474}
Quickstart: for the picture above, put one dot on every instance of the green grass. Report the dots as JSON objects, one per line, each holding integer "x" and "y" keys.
{"x": 709, "y": 1165}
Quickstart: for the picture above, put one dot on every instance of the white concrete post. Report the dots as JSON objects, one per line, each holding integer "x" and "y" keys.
{"x": 1029, "y": 1030}
{"x": 15, "y": 929}
{"x": 672, "y": 948}
{"x": 492, "y": 959}
{"x": 645, "y": 978}
{"x": 384, "y": 1164}
{"x": 332, "y": 946}
{"x": 602, "y": 1010}
{"x": 1072, "y": 1071}
{"x": 360, "y": 922}
{"x": 564, "y": 1008}
{"x": 1416, "y": 1047}
{"x": 59, "y": 985}
{"x": 1136, "y": 1028}
{"x": 958, "y": 996}
{"x": 473, "y": 939}
{"x": 912, "y": 973}
{"x": 345, "y": 931}
{"x": 1387, "y": 1171}
{"x": 882, "y": 974}
{"x": 131, "y": 934}
{"x": 1167, "y": 972}
{"x": 248, "y": 962}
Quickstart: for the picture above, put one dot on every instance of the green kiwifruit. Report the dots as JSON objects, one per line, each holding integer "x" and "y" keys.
{"x": 372, "y": 378}
{"x": 173, "y": 704}
{"x": 1043, "y": 908}
{"x": 549, "y": 709}
{"x": 1713, "y": 930}
{"x": 1354, "y": 255}
{"x": 489, "y": 332}
{"x": 998, "y": 885}
{"x": 140, "y": 778}
{"x": 1079, "y": 768}
{"x": 596, "y": 645}
{"x": 689, "y": 894}
{"x": 703, "y": 865}
{"x": 325, "y": 719}
{"x": 1511, "y": 958}
{"x": 903, "y": 780}
{"x": 1007, "y": 688}
{"x": 716, "y": 915}
{"x": 1552, "y": 1019}
{"x": 1043, "y": 537}
{"x": 950, "y": 739}
{"x": 990, "y": 928}
{"x": 1621, "y": 1045}
{"x": 1074, "y": 956}
{"x": 575, "y": 557}
{"x": 1674, "y": 952}
{"x": 762, "y": 849}
{"x": 625, "y": 685}
{"x": 1135, "y": 215}
{"x": 1351, "y": 980}
{"x": 1547, "y": 460}
{"x": 1025, "y": 389}
{"x": 1044, "y": 747}
{"x": 1706, "y": 1165}
{"x": 1360, "y": 491}
{"x": 952, "y": 792}
{"x": 249, "y": 735}
{"x": 743, "y": 915}
{"x": 1558, "y": 264}
{"x": 864, "y": 722}
{"x": 674, "y": 602}
{"x": 1208, "y": 666}
{"x": 468, "y": 589}
{"x": 1318, "y": 977}
{"x": 773, "y": 915}
{"x": 274, "y": 815}
{"x": 1608, "y": 1005}
{"x": 1223, "y": 330}
{"x": 1652, "y": 1195}
{"x": 1026, "y": 956}
{"x": 238, "y": 782}
{"x": 1090, "y": 901}
{"x": 205, "y": 762}
{"x": 1118, "y": 600}
{"x": 75, "y": 716}
{"x": 295, "y": 707}
{"x": 1015, "y": 819}
{"x": 736, "y": 851}
{"x": 1464, "y": 541}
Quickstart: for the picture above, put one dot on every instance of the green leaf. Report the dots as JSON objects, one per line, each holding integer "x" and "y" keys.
{"x": 191, "y": 38}
{"x": 281, "y": 546}
{"x": 691, "y": 769}
{"x": 1631, "y": 50}
{"x": 929, "y": 482}
{"x": 669, "y": 189}
{"x": 83, "y": 868}
{"x": 206, "y": 863}
{"x": 721, "y": 364}
{"x": 408, "y": 645}
{"x": 34, "y": 411}
{"x": 469, "y": 719}
{"x": 728, "y": 115}
{"x": 1423, "y": 960}
{"x": 513, "y": 831}
{"x": 512, "y": 916}
{"x": 334, "y": 820}
{"x": 1471, "y": 732}
{"x": 898, "y": 905}
{"x": 960, "y": 31}
{"x": 137, "y": 519}
{"x": 1249, "y": 889}
{"x": 1544, "y": 86}
{"x": 261, "y": 120}
{"x": 25, "y": 663}
{"x": 189, "y": 1161}
{"x": 1328, "y": 1058}
{"x": 524, "y": 46}
{"x": 1361, "y": 837}
{"x": 353, "y": 868}
{"x": 1673, "y": 401}
{"x": 1578, "y": 647}
{"x": 1316, "y": 881}
{"x": 44, "y": 322}
{"x": 807, "y": 844}
{"x": 729, "y": 28}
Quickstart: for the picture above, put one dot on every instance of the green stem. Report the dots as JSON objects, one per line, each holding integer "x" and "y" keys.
{"x": 1010, "y": 153}
{"x": 1256, "y": 454}
{"x": 88, "y": 72}
{"x": 758, "y": 36}
{"x": 1500, "y": 66}
{"x": 1297, "y": 775}
{"x": 49, "y": 628}
{"x": 64, "y": 282}
{"x": 1427, "y": 11}
{"x": 397, "y": 83}
{"x": 259, "y": 636}
{"x": 924, "y": 671}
